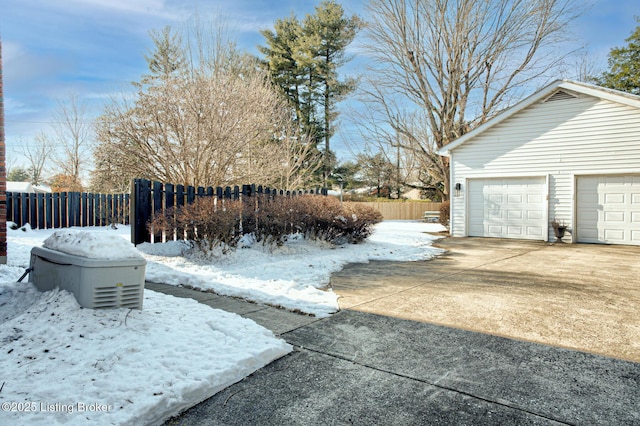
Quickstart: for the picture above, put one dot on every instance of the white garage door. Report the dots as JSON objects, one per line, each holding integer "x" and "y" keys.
{"x": 608, "y": 209}
{"x": 507, "y": 208}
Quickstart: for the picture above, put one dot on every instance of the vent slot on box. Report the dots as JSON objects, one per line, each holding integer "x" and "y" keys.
{"x": 117, "y": 296}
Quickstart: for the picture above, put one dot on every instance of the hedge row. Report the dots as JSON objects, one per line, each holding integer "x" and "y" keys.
{"x": 211, "y": 223}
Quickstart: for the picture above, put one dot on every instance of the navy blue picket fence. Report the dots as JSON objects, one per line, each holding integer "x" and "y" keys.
{"x": 67, "y": 209}
{"x": 151, "y": 198}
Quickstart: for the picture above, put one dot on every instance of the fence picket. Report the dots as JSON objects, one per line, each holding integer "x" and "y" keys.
{"x": 41, "y": 224}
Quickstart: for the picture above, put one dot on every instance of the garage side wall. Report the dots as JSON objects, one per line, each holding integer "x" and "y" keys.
{"x": 560, "y": 137}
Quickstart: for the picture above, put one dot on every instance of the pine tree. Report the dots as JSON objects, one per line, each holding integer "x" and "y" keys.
{"x": 624, "y": 66}
{"x": 303, "y": 59}
{"x": 330, "y": 33}
{"x": 167, "y": 57}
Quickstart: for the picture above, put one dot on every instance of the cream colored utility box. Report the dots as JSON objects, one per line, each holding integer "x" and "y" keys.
{"x": 96, "y": 283}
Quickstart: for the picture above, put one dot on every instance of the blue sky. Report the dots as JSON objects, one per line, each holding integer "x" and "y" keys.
{"x": 95, "y": 48}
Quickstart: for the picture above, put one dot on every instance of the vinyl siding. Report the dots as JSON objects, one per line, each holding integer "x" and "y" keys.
{"x": 559, "y": 140}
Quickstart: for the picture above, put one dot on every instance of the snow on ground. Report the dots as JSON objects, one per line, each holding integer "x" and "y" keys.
{"x": 62, "y": 364}
{"x": 293, "y": 276}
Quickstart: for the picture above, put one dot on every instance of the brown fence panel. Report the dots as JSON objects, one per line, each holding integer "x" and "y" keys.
{"x": 403, "y": 210}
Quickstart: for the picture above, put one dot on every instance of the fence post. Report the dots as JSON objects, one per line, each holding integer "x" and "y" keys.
{"x": 141, "y": 210}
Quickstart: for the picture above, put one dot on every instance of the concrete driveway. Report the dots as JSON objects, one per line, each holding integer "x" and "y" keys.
{"x": 578, "y": 296}
{"x": 384, "y": 359}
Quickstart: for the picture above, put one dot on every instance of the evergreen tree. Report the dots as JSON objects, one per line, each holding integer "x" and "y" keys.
{"x": 624, "y": 66}
{"x": 303, "y": 59}
{"x": 18, "y": 174}
{"x": 167, "y": 56}
{"x": 329, "y": 33}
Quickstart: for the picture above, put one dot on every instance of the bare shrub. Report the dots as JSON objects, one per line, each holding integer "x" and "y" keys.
{"x": 208, "y": 223}
{"x": 325, "y": 218}
{"x": 275, "y": 219}
{"x": 360, "y": 221}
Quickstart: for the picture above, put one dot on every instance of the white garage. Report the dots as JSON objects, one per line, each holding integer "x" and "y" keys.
{"x": 569, "y": 153}
{"x": 608, "y": 209}
{"x": 508, "y": 208}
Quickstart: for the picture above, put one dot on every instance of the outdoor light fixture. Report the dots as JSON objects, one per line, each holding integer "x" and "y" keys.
{"x": 458, "y": 187}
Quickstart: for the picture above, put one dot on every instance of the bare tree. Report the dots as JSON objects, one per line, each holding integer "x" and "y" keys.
{"x": 73, "y": 138}
{"x": 299, "y": 160}
{"x": 37, "y": 155}
{"x": 216, "y": 120}
{"x": 445, "y": 67}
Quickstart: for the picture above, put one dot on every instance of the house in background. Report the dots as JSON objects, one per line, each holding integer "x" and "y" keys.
{"x": 570, "y": 153}
{"x": 27, "y": 187}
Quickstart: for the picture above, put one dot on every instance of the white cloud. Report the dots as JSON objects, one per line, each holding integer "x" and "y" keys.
{"x": 154, "y": 8}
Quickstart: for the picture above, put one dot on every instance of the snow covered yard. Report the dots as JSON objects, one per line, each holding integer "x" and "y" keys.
{"x": 62, "y": 364}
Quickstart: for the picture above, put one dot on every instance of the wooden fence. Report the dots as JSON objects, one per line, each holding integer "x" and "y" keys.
{"x": 66, "y": 209}
{"x": 151, "y": 198}
{"x": 403, "y": 210}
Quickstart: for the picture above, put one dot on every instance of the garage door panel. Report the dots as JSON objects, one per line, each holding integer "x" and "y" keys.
{"x": 496, "y": 199}
{"x": 614, "y": 217}
{"x": 507, "y": 208}
{"x": 515, "y": 230}
{"x": 608, "y": 209}
{"x": 514, "y": 198}
{"x": 614, "y": 234}
{"x": 614, "y": 198}
{"x": 494, "y": 230}
{"x": 534, "y": 215}
{"x": 514, "y": 214}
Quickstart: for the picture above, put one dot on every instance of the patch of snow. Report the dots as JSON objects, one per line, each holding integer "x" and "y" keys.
{"x": 63, "y": 363}
{"x": 91, "y": 244}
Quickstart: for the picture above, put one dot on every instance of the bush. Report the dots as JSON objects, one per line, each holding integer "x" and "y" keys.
{"x": 208, "y": 223}
{"x": 445, "y": 212}
{"x": 211, "y": 223}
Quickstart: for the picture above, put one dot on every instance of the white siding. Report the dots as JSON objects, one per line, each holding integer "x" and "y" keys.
{"x": 558, "y": 139}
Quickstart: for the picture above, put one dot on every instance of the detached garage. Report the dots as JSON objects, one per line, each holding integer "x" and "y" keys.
{"x": 570, "y": 153}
